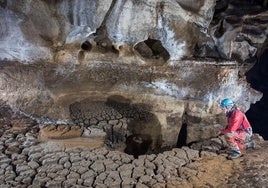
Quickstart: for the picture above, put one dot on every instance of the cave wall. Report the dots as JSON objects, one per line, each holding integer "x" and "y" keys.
{"x": 56, "y": 53}
{"x": 176, "y": 95}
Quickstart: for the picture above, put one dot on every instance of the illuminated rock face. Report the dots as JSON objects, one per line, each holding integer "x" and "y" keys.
{"x": 56, "y": 31}
{"x": 155, "y": 100}
{"x": 49, "y": 27}
{"x": 56, "y": 53}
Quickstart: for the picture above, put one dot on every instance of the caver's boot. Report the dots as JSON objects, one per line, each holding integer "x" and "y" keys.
{"x": 235, "y": 154}
{"x": 251, "y": 144}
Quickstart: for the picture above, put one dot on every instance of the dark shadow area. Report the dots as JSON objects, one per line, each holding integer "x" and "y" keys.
{"x": 129, "y": 127}
{"x": 152, "y": 49}
{"x": 144, "y": 129}
{"x": 138, "y": 144}
{"x": 86, "y": 46}
{"x": 234, "y": 14}
{"x": 258, "y": 78}
{"x": 182, "y": 136}
{"x": 3, "y": 4}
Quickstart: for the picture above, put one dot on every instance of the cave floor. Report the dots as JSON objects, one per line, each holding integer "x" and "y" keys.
{"x": 27, "y": 162}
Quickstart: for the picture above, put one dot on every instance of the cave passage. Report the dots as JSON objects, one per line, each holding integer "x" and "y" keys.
{"x": 182, "y": 136}
{"x": 258, "y": 78}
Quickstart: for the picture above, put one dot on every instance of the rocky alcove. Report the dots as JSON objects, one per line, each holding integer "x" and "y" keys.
{"x": 152, "y": 49}
{"x": 128, "y": 127}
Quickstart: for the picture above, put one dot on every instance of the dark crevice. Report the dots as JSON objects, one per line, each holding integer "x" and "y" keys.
{"x": 221, "y": 6}
{"x": 220, "y": 31}
{"x": 86, "y": 46}
{"x": 3, "y": 3}
{"x": 258, "y": 78}
{"x": 182, "y": 136}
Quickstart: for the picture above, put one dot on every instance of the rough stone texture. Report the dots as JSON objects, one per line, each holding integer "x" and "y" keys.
{"x": 55, "y": 32}
{"x": 123, "y": 23}
{"x": 53, "y": 164}
{"x": 161, "y": 96}
{"x": 52, "y": 57}
{"x": 60, "y": 131}
{"x": 119, "y": 72}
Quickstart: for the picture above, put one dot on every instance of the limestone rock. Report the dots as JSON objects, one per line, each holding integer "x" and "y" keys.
{"x": 60, "y": 132}
{"x": 57, "y": 54}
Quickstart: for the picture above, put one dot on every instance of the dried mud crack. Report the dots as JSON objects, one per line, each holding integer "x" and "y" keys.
{"x": 25, "y": 161}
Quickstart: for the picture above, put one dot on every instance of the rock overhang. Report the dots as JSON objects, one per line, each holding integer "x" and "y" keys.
{"x": 182, "y": 93}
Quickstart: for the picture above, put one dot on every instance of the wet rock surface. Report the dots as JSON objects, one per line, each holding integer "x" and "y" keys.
{"x": 27, "y": 162}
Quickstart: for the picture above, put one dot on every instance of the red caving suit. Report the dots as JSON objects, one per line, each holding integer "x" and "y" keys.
{"x": 238, "y": 129}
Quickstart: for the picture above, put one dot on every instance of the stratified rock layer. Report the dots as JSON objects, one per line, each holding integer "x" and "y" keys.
{"x": 159, "y": 99}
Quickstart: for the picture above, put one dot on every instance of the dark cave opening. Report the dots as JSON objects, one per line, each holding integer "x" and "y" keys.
{"x": 86, "y": 46}
{"x": 143, "y": 127}
{"x": 129, "y": 127}
{"x": 138, "y": 144}
{"x": 258, "y": 78}
{"x": 152, "y": 49}
{"x": 182, "y": 136}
